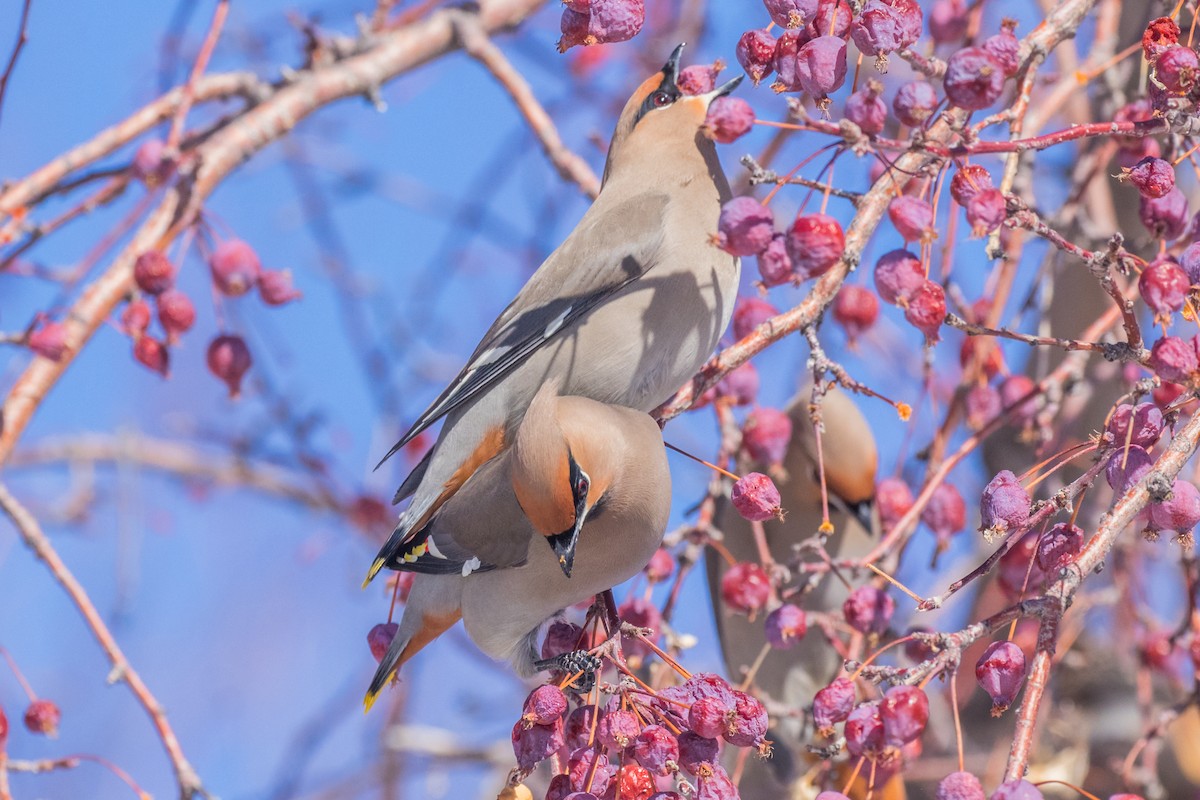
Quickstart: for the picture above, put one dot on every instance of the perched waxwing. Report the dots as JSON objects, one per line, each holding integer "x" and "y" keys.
{"x": 623, "y": 312}
{"x": 793, "y": 676}
{"x": 589, "y": 478}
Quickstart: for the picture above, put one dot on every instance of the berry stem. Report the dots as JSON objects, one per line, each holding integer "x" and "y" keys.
{"x": 12, "y": 664}
{"x": 896, "y": 583}
{"x": 708, "y": 464}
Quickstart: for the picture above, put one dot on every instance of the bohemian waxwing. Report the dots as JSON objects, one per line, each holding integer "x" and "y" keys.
{"x": 624, "y": 311}
{"x": 589, "y": 477}
{"x": 793, "y": 676}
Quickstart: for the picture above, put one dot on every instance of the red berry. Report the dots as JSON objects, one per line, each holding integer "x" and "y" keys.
{"x": 821, "y": 66}
{"x": 786, "y": 60}
{"x": 175, "y": 313}
{"x": 974, "y": 78}
{"x": 745, "y": 226}
{"x": 632, "y": 783}
{"x": 152, "y": 353}
{"x": 545, "y": 705}
{"x": 1058, "y": 546}
{"x": 42, "y": 717}
{"x": 927, "y": 309}
{"x": 601, "y": 21}
{"x": 561, "y": 637}
{"x": 1020, "y": 389}
{"x": 749, "y": 313}
{"x": 756, "y": 53}
{"x": 960, "y": 786}
{"x": 135, "y": 318}
{"x": 380, "y": 637}
{"x": 969, "y": 181}
{"x": 914, "y": 103}
{"x": 1165, "y": 217}
{"x": 855, "y": 308}
{"x": 715, "y": 786}
{"x": 535, "y": 743}
{"x": 617, "y": 729}
{"x": 49, "y": 340}
{"x": 991, "y": 365}
{"x": 913, "y": 218}
{"x": 1173, "y": 359}
{"x": 886, "y": 26}
{"x": 153, "y": 272}
{"x": 739, "y": 386}
{"x": 578, "y": 728}
{"x": 755, "y": 497}
{"x": 745, "y": 587}
{"x": 3, "y": 730}
{"x": 1005, "y": 503}
{"x": 656, "y": 749}
{"x": 766, "y": 434}
{"x": 785, "y": 626}
{"x": 746, "y": 726}
{"x": 832, "y": 705}
{"x": 866, "y": 109}
{"x": 661, "y": 566}
{"x": 729, "y": 119}
{"x": 815, "y": 243}
{"x": 774, "y": 263}
{"x": 1164, "y": 286}
{"x": 1176, "y": 69}
{"x": 697, "y": 753}
{"x": 1001, "y": 671}
{"x": 275, "y": 287}
{"x": 898, "y": 276}
{"x": 948, "y": 21}
{"x": 893, "y": 498}
{"x": 1180, "y": 512}
{"x": 864, "y": 731}
{"x": 235, "y": 267}
{"x": 1153, "y": 177}
{"x": 1147, "y": 421}
{"x": 707, "y": 717}
{"x": 699, "y": 78}
{"x": 945, "y": 513}
{"x": 229, "y": 359}
{"x": 1004, "y": 48}
{"x": 869, "y": 610}
{"x": 641, "y": 613}
{"x": 1160, "y": 34}
{"x": 986, "y": 211}
{"x": 904, "y": 711}
{"x": 833, "y": 19}
{"x": 148, "y": 165}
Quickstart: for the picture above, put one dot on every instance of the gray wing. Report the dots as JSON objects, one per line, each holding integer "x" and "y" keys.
{"x": 609, "y": 250}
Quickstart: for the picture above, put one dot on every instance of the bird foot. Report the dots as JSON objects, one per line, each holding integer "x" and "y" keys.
{"x": 576, "y": 661}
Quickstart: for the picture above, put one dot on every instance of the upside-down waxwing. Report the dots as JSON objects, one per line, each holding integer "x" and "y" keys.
{"x": 588, "y": 477}
{"x": 624, "y": 311}
{"x": 793, "y": 676}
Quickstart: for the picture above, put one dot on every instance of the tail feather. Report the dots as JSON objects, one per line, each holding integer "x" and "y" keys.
{"x": 417, "y": 629}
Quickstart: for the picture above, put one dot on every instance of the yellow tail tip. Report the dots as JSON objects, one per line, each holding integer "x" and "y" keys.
{"x": 369, "y": 700}
{"x": 376, "y": 565}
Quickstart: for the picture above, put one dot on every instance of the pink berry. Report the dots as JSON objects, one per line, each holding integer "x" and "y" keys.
{"x": 1173, "y": 359}
{"x": 42, "y": 717}
{"x": 745, "y": 587}
{"x": 821, "y": 66}
{"x": 945, "y": 513}
{"x": 745, "y": 226}
{"x": 699, "y": 78}
{"x": 864, "y": 731}
{"x": 833, "y": 19}
{"x": 886, "y": 26}
{"x": 1165, "y": 217}
{"x": 913, "y": 218}
{"x": 986, "y": 211}
{"x": 617, "y": 729}
{"x": 740, "y": 386}
{"x": 656, "y": 749}
{"x": 578, "y": 728}
{"x": 969, "y": 181}
{"x": 766, "y": 434}
{"x": 749, "y": 313}
{"x": 275, "y": 287}
{"x": 561, "y": 637}
{"x": 855, "y": 309}
{"x": 948, "y": 21}
{"x": 1019, "y": 393}
{"x": 756, "y": 53}
{"x": 1017, "y": 790}
{"x": 1189, "y": 260}
{"x": 149, "y": 165}
{"x": 869, "y": 610}
{"x": 960, "y": 786}
{"x": 729, "y": 119}
{"x": 904, "y": 711}
{"x": 774, "y": 263}
{"x": 746, "y": 726}
{"x": 153, "y": 354}
{"x": 380, "y": 637}
{"x": 153, "y": 272}
{"x": 787, "y": 60}
{"x": 229, "y": 359}
{"x": 974, "y": 78}
{"x": 579, "y": 767}
{"x": 1176, "y": 69}
{"x": 49, "y": 340}
{"x": 1005, "y": 48}
{"x": 1147, "y": 420}
{"x": 176, "y": 313}
{"x": 545, "y": 705}
{"x": 601, "y": 22}
{"x": 135, "y": 318}
{"x": 914, "y": 103}
{"x": 815, "y": 243}
{"x": 235, "y": 267}
{"x": 1127, "y": 466}
{"x": 755, "y": 497}
{"x": 898, "y": 276}
{"x": 893, "y": 498}
{"x": 785, "y": 626}
{"x": 715, "y": 785}
{"x": 661, "y": 566}
{"x": 697, "y": 753}
{"x": 1058, "y": 546}
{"x": 866, "y": 109}
{"x": 3, "y": 729}
{"x": 707, "y": 717}
{"x": 1180, "y": 512}
{"x": 791, "y": 13}
{"x": 832, "y": 795}
{"x": 1001, "y": 671}
{"x": 1153, "y": 177}
{"x": 641, "y": 613}
{"x": 983, "y": 404}
{"x": 1164, "y": 286}
{"x": 536, "y": 743}
{"x": 833, "y": 704}
{"x": 1005, "y": 503}
{"x": 927, "y": 309}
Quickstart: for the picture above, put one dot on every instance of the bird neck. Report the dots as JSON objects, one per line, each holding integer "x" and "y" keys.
{"x": 541, "y": 467}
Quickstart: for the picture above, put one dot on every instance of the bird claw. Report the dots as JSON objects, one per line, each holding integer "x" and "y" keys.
{"x": 574, "y": 662}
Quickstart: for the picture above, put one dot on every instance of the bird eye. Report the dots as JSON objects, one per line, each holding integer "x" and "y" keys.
{"x": 581, "y": 487}
{"x": 661, "y": 99}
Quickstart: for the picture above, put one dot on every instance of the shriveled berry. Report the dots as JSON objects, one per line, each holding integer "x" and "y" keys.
{"x": 855, "y": 308}
{"x": 275, "y": 287}
{"x": 135, "y": 317}
{"x": 561, "y": 637}
{"x": 787, "y": 60}
{"x": 864, "y": 731}
{"x": 948, "y": 20}
{"x": 914, "y": 103}
{"x": 632, "y": 782}
{"x": 578, "y": 728}
{"x": 1180, "y": 512}
{"x": 749, "y": 313}
{"x": 1165, "y": 217}
{"x": 747, "y": 725}
{"x": 898, "y": 276}
{"x": 579, "y": 766}
{"x": 1189, "y": 260}
{"x": 1152, "y": 177}
{"x": 745, "y": 226}
{"x": 716, "y": 785}
{"x": 153, "y": 354}
{"x": 42, "y": 717}
{"x": 602, "y": 21}
{"x": 893, "y": 498}
{"x": 1127, "y": 466}
{"x": 618, "y": 728}
{"x": 656, "y": 749}
{"x": 1058, "y": 546}
{"x": 536, "y": 743}
{"x": 1147, "y": 422}
{"x": 927, "y": 309}
{"x": 729, "y": 119}
{"x": 229, "y": 359}
{"x": 969, "y": 181}
{"x": 1005, "y": 503}
{"x": 945, "y": 513}
{"x": 1005, "y": 48}
{"x": 1000, "y": 672}
{"x": 904, "y": 711}
{"x": 1164, "y": 286}
{"x": 707, "y": 717}
{"x": 815, "y": 243}
{"x": 380, "y": 637}
{"x": 235, "y": 267}
{"x": 756, "y": 53}
{"x": 1160, "y": 34}
{"x": 153, "y": 272}
{"x": 974, "y": 78}
{"x": 869, "y": 610}
{"x": 176, "y": 313}
{"x": 49, "y": 340}
{"x": 545, "y": 705}
{"x": 821, "y": 66}
{"x": 1177, "y": 68}
{"x": 785, "y": 626}
{"x": 960, "y": 786}
{"x": 886, "y": 26}
{"x": 745, "y": 587}
{"x": 661, "y": 566}
{"x": 699, "y": 78}
{"x": 833, "y": 19}
{"x": 791, "y": 13}
{"x": 740, "y": 385}
{"x": 833, "y": 704}
{"x": 1017, "y": 790}
{"x": 774, "y": 263}
{"x": 696, "y": 752}
{"x": 986, "y": 211}
{"x": 866, "y": 109}
{"x": 766, "y": 434}
{"x": 913, "y": 218}
{"x": 755, "y": 497}
{"x": 1173, "y": 359}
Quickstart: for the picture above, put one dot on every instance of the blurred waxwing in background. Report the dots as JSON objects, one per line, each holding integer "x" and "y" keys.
{"x": 791, "y": 677}
{"x": 589, "y": 478}
{"x": 624, "y": 311}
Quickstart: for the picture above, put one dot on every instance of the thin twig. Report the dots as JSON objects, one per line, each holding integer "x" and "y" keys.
{"x": 202, "y": 58}
{"x": 22, "y": 38}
